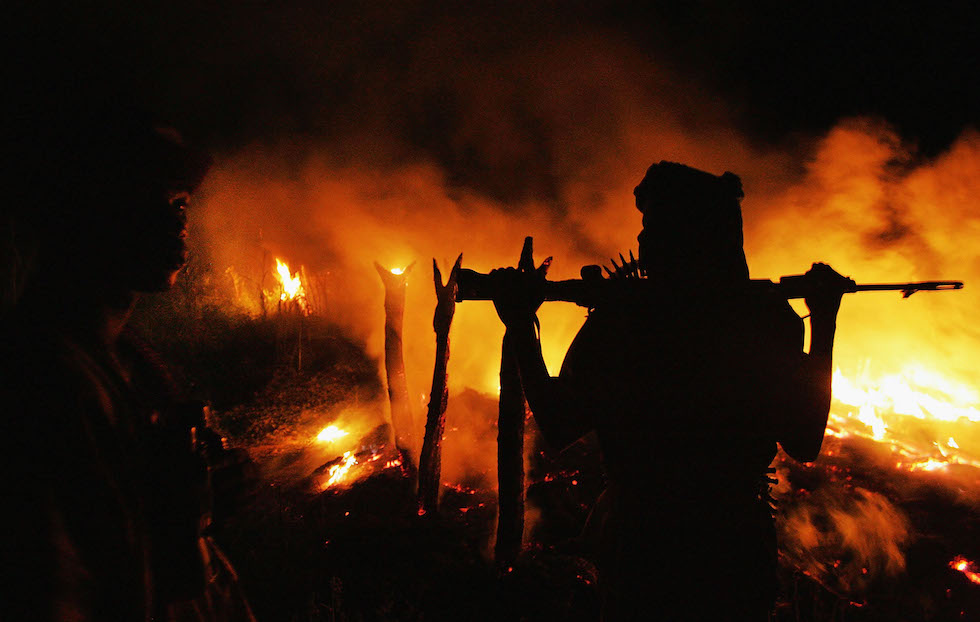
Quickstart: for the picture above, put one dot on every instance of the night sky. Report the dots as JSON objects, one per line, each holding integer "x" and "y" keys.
{"x": 416, "y": 78}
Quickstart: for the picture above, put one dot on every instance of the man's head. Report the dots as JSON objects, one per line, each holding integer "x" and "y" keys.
{"x": 692, "y": 223}
{"x": 110, "y": 188}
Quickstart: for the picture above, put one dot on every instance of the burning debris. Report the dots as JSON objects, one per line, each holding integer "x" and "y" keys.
{"x": 969, "y": 569}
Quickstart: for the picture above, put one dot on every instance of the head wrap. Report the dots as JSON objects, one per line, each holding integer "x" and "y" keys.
{"x": 689, "y": 213}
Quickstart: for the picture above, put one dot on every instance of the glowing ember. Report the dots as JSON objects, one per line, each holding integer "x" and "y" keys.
{"x": 330, "y": 433}
{"x": 339, "y": 471}
{"x": 292, "y": 286}
{"x": 967, "y": 567}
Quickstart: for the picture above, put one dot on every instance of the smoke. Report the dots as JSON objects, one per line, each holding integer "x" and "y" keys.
{"x": 874, "y": 211}
{"x": 846, "y": 539}
{"x": 546, "y": 136}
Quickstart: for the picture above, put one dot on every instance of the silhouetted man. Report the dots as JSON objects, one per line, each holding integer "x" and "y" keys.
{"x": 109, "y": 494}
{"x": 689, "y": 378}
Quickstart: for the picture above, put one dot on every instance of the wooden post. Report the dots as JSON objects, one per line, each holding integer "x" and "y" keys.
{"x": 512, "y": 412}
{"x": 402, "y": 421}
{"x": 510, "y": 461}
{"x": 430, "y": 462}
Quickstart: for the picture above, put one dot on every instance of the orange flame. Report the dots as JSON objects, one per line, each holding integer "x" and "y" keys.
{"x": 967, "y": 567}
{"x": 884, "y": 408}
{"x": 338, "y": 472}
{"x": 330, "y": 434}
{"x": 292, "y": 285}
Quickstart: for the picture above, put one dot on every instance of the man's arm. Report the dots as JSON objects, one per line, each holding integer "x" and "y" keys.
{"x": 811, "y": 393}
{"x": 561, "y": 418}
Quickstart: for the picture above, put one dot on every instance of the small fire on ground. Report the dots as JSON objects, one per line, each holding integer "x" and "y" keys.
{"x": 352, "y": 467}
{"x": 968, "y": 568}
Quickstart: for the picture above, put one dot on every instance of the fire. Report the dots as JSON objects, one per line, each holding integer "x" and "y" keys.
{"x": 330, "y": 434}
{"x": 398, "y": 271}
{"x": 338, "y": 472}
{"x": 292, "y": 286}
{"x": 894, "y": 409}
{"x": 967, "y": 567}
{"x": 929, "y": 464}
{"x": 353, "y": 467}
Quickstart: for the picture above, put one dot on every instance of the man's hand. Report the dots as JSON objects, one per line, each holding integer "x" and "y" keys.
{"x": 826, "y": 287}
{"x": 520, "y": 291}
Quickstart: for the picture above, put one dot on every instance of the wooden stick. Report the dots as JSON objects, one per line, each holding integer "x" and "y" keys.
{"x": 401, "y": 411}
{"x": 430, "y": 462}
{"x": 512, "y": 412}
{"x": 510, "y": 461}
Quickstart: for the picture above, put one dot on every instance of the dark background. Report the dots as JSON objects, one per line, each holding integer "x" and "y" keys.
{"x": 363, "y": 73}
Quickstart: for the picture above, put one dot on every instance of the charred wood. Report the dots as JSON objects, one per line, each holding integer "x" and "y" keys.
{"x": 430, "y": 462}
{"x": 402, "y": 420}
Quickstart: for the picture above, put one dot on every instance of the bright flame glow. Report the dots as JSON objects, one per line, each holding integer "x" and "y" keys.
{"x": 292, "y": 286}
{"x": 330, "y": 434}
{"x": 896, "y": 408}
{"x": 339, "y": 471}
{"x": 398, "y": 270}
{"x": 967, "y": 567}
{"x": 929, "y": 465}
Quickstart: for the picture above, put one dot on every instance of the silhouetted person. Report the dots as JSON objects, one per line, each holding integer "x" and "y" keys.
{"x": 689, "y": 379}
{"x": 107, "y": 493}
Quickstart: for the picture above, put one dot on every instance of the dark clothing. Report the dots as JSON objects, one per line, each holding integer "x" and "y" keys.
{"x": 109, "y": 492}
{"x": 686, "y": 397}
{"x": 80, "y": 548}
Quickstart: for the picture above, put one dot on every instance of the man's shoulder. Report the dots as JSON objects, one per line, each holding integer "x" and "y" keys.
{"x": 768, "y": 301}
{"x": 771, "y": 317}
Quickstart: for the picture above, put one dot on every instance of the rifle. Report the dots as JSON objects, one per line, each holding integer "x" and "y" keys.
{"x": 593, "y": 288}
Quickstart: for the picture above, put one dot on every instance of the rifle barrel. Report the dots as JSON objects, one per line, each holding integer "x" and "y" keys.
{"x": 932, "y": 286}
{"x": 799, "y": 285}
{"x": 908, "y": 289}
{"x": 588, "y": 292}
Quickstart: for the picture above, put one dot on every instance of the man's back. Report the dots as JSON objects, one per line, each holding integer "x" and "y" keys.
{"x": 683, "y": 394}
